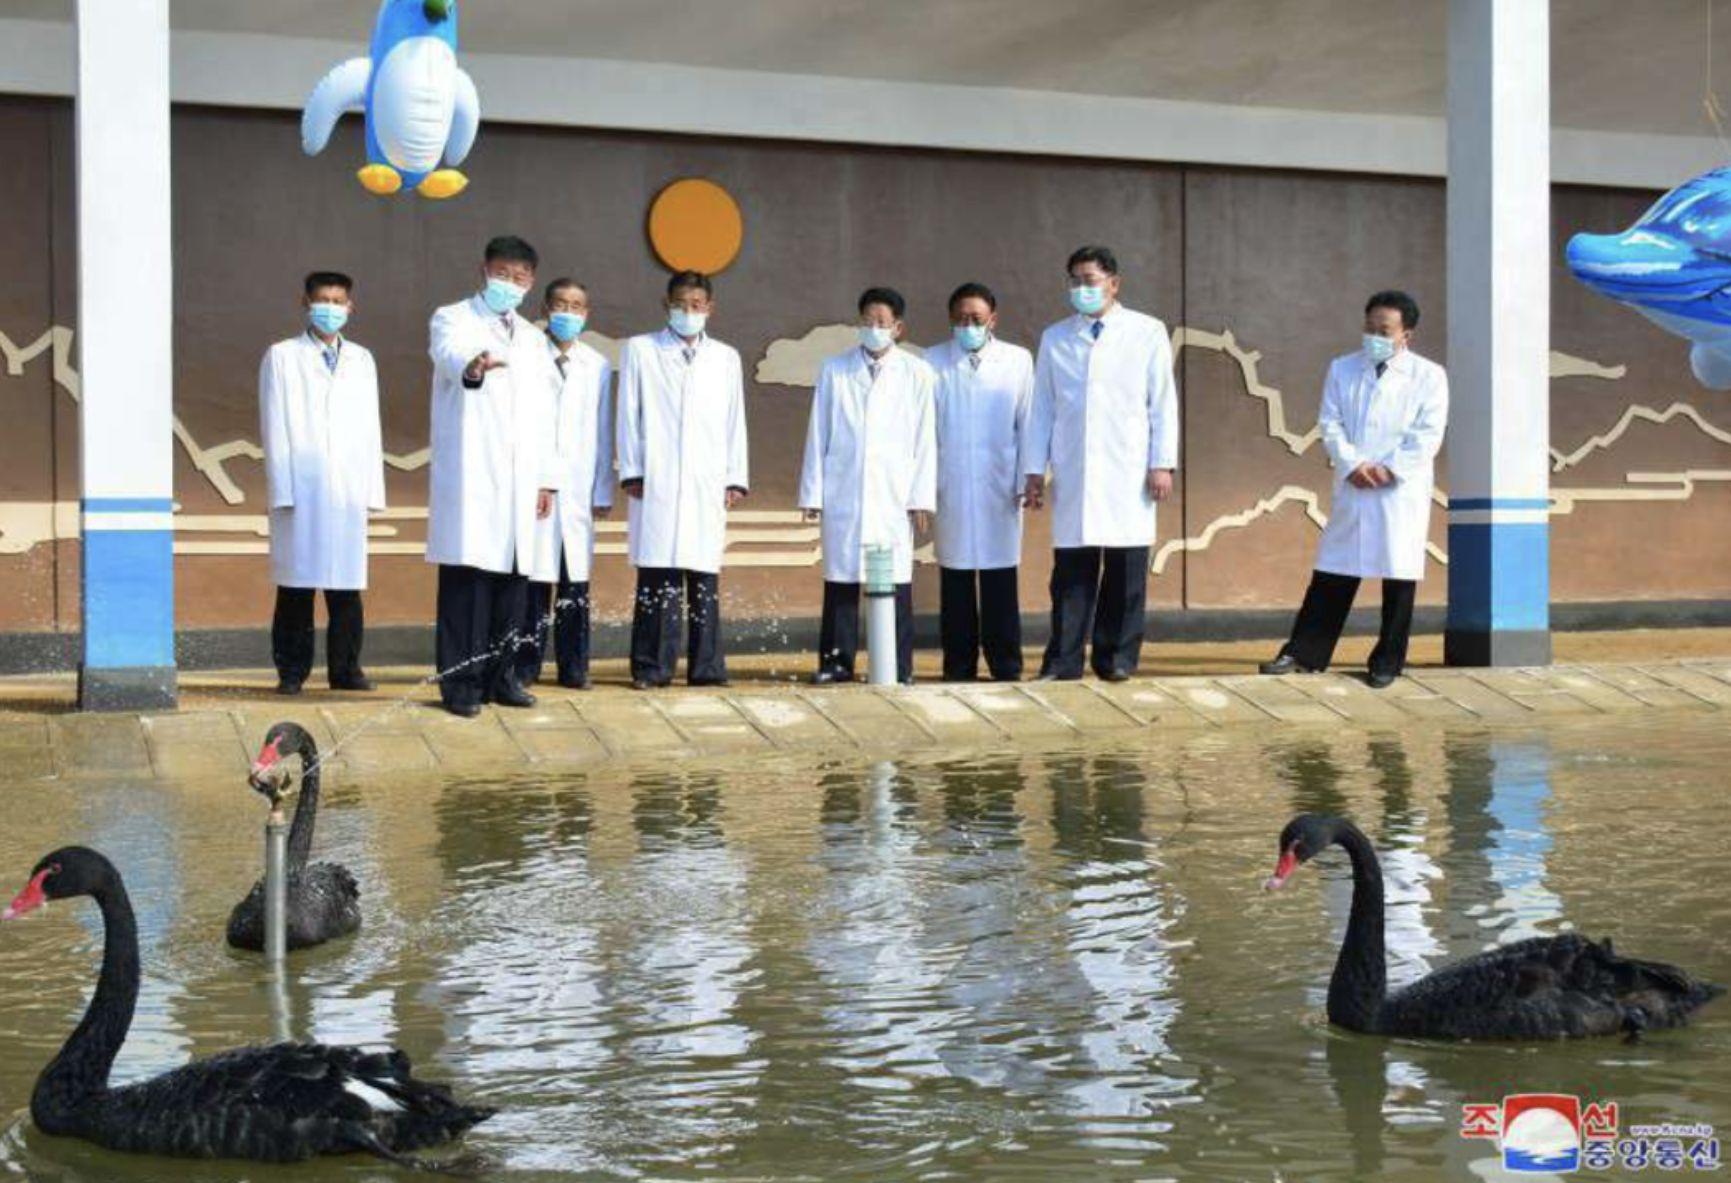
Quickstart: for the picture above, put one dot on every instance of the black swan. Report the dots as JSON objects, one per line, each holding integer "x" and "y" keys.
{"x": 323, "y": 901}
{"x": 285, "y": 1103}
{"x": 1562, "y": 987}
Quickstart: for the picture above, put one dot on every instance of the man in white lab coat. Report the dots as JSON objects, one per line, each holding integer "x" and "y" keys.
{"x": 583, "y": 379}
{"x": 870, "y": 476}
{"x": 318, "y": 395}
{"x": 984, "y": 388}
{"x": 683, "y": 462}
{"x": 1105, "y": 417}
{"x": 494, "y": 472}
{"x": 1384, "y": 411}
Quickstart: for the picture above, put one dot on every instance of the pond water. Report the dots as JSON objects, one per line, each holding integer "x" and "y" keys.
{"x": 1047, "y": 966}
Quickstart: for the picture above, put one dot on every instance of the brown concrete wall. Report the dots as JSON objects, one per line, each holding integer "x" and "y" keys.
{"x": 1280, "y": 261}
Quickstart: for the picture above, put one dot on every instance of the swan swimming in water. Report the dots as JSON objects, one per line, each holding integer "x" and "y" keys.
{"x": 286, "y": 1102}
{"x": 1561, "y": 987}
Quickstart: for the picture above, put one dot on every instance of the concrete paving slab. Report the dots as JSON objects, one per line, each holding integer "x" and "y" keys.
{"x": 1285, "y": 702}
{"x": 101, "y": 745}
{"x": 1471, "y": 695}
{"x": 196, "y": 744}
{"x": 1015, "y": 713}
{"x": 1081, "y": 707}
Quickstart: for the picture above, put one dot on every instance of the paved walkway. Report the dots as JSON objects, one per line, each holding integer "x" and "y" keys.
{"x": 397, "y": 729}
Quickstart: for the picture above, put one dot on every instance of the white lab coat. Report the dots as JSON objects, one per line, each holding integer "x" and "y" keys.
{"x": 870, "y": 458}
{"x": 1105, "y": 412}
{"x": 981, "y": 415}
{"x": 682, "y": 433}
{"x": 584, "y": 441}
{"x": 323, "y": 461}
{"x": 493, "y": 447}
{"x": 1397, "y": 421}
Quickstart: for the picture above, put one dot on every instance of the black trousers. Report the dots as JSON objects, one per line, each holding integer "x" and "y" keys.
{"x": 291, "y": 634}
{"x": 1323, "y": 615}
{"x": 1102, "y": 588}
{"x": 655, "y": 626}
{"x": 838, "y": 631}
{"x": 992, "y": 621}
{"x": 479, "y": 630}
{"x": 563, "y": 610}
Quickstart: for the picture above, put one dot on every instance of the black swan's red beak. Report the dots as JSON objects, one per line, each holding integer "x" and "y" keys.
{"x": 265, "y": 776}
{"x": 1283, "y": 869}
{"x": 30, "y": 899}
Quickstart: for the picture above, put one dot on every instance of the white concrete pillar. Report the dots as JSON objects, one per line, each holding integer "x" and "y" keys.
{"x": 1499, "y": 318}
{"x": 124, "y": 334}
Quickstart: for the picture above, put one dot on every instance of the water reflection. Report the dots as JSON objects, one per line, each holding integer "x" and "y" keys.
{"x": 1119, "y": 909}
{"x": 868, "y": 940}
{"x": 994, "y": 966}
{"x": 1498, "y": 846}
{"x": 679, "y": 958}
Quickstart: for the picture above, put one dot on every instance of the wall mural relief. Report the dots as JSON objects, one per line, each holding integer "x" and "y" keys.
{"x": 779, "y": 538}
{"x": 1262, "y": 273}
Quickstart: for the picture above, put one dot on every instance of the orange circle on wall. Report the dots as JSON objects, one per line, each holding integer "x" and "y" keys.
{"x": 695, "y": 225}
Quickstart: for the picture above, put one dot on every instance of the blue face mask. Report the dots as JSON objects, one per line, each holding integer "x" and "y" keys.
{"x": 972, "y": 338}
{"x": 686, "y": 324}
{"x": 502, "y": 295}
{"x": 1087, "y": 300}
{"x": 565, "y": 325}
{"x": 1378, "y": 349}
{"x": 328, "y": 318}
{"x": 876, "y": 338}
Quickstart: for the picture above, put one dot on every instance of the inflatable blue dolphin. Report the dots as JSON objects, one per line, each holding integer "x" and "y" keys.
{"x": 420, "y": 106}
{"x": 1673, "y": 267}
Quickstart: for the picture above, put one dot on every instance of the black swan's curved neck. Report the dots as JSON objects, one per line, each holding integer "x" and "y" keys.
{"x": 300, "y": 839}
{"x": 1355, "y": 992}
{"x": 80, "y": 1071}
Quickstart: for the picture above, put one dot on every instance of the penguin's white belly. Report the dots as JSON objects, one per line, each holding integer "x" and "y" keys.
{"x": 414, "y": 91}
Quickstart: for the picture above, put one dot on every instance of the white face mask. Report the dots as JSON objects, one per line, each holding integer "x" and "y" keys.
{"x": 1378, "y": 348}
{"x": 686, "y": 324}
{"x": 875, "y": 338}
{"x": 1087, "y": 299}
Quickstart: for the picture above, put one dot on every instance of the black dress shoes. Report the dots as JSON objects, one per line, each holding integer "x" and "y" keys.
{"x": 1380, "y": 679}
{"x": 1284, "y": 664}
{"x": 574, "y": 683}
{"x": 513, "y": 696}
{"x": 830, "y": 677}
{"x": 464, "y": 710}
{"x": 288, "y": 686}
{"x": 357, "y": 682}
{"x": 1059, "y": 678}
{"x": 706, "y": 682}
{"x": 1115, "y": 676}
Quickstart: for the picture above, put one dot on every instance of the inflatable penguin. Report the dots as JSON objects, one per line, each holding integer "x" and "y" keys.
{"x": 419, "y": 105}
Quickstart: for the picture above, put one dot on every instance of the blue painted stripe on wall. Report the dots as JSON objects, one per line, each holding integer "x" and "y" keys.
{"x": 1499, "y": 576}
{"x": 128, "y": 598}
{"x": 128, "y": 504}
{"x": 1499, "y": 503}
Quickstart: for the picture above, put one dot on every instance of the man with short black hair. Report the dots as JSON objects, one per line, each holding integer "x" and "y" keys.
{"x": 1105, "y": 417}
{"x": 870, "y": 476}
{"x": 984, "y": 388}
{"x": 684, "y": 463}
{"x": 583, "y": 430}
{"x": 324, "y": 471}
{"x": 494, "y": 472}
{"x": 1384, "y": 413}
